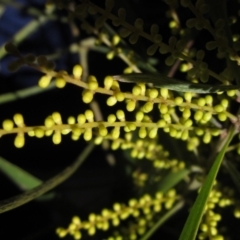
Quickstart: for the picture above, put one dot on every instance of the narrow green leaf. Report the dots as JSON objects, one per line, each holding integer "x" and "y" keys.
{"x": 191, "y": 226}
{"x": 16, "y": 201}
{"x": 162, "y": 220}
{"x": 23, "y": 179}
{"x": 234, "y": 173}
{"x": 172, "y": 179}
{"x": 162, "y": 81}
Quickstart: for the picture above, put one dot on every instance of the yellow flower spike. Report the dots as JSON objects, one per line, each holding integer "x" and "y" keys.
{"x": 110, "y": 55}
{"x": 178, "y": 100}
{"x": 19, "y": 140}
{"x": 134, "y": 153}
{"x": 198, "y": 115}
{"x": 108, "y": 82}
{"x": 76, "y": 131}
{"x": 116, "y": 39}
{"x": 8, "y": 125}
{"x": 142, "y": 132}
{"x": 120, "y": 115}
{"x": 71, "y": 227}
{"x": 188, "y": 123}
{"x": 188, "y": 96}
{"x": 167, "y": 117}
{"x": 115, "y": 145}
{"x": 31, "y": 133}
{"x": 133, "y": 236}
{"x": 87, "y": 135}
{"x": 106, "y": 213}
{"x": 153, "y": 133}
{"x": 89, "y": 115}
{"x": 92, "y": 217}
{"x": 116, "y": 207}
{"x": 115, "y": 86}
{"x": 148, "y": 107}
{"x": 218, "y": 108}
{"x": 173, "y": 132}
{"x": 119, "y": 96}
{"x": 236, "y": 212}
{"x": 199, "y": 131}
{"x": 213, "y": 231}
{"x": 39, "y": 132}
{"x": 132, "y": 202}
{"x": 65, "y": 131}
{"x": 131, "y": 126}
{"x": 163, "y": 108}
{"x": 57, "y": 117}
{"x": 91, "y": 231}
{"x": 115, "y": 221}
{"x": 207, "y": 137}
{"x": 57, "y": 137}
{"x": 92, "y": 82}
{"x": 60, "y": 82}
{"x": 222, "y": 116}
{"x": 204, "y": 227}
{"x": 105, "y": 226}
{"x": 77, "y": 235}
{"x": 81, "y": 119}
{"x": 71, "y": 120}
{"x": 111, "y": 118}
{"x": 77, "y": 71}
{"x": 115, "y": 133}
{"x": 76, "y": 220}
{"x": 161, "y": 123}
{"x": 153, "y": 93}
{"x": 49, "y": 122}
{"x": 209, "y": 100}
{"x": 159, "y": 195}
{"x": 231, "y": 93}
{"x": 111, "y": 101}
{"x": 136, "y": 90}
{"x": 184, "y": 135}
{"x": 201, "y": 102}
{"x": 218, "y": 237}
{"x": 18, "y": 119}
{"x": 61, "y": 232}
{"x": 164, "y": 92}
{"x": 87, "y": 96}
{"x": 98, "y": 140}
{"x": 207, "y": 116}
{"x": 102, "y": 130}
{"x": 131, "y": 105}
{"x": 186, "y": 113}
{"x": 225, "y": 103}
{"x": 139, "y": 116}
{"x": 44, "y": 81}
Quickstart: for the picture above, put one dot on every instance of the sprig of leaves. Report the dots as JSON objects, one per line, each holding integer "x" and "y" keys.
{"x": 161, "y": 81}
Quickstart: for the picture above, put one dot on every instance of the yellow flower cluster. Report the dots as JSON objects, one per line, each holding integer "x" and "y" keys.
{"x": 209, "y": 226}
{"x": 146, "y": 206}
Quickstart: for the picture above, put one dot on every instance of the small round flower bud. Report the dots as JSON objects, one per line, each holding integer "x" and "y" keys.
{"x": 8, "y": 125}
{"x": 131, "y": 105}
{"x": 77, "y": 71}
{"x": 89, "y": 115}
{"x": 19, "y": 141}
{"x": 57, "y": 137}
{"x": 60, "y": 83}
{"x": 44, "y": 81}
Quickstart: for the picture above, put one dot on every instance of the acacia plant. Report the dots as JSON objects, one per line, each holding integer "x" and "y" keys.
{"x": 176, "y": 119}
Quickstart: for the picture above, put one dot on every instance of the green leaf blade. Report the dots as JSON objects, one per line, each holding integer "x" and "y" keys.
{"x": 191, "y": 226}
{"x": 161, "y": 81}
{"x": 23, "y": 179}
